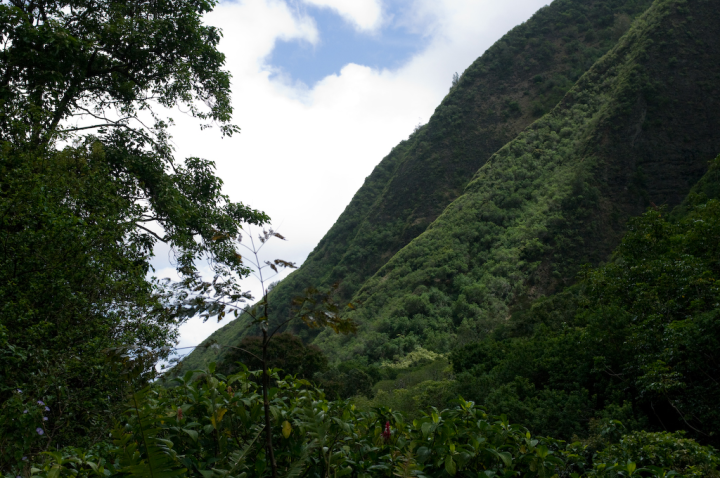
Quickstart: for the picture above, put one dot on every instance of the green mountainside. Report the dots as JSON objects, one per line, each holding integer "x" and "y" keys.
{"x": 633, "y": 345}
{"x": 636, "y": 129}
{"x": 521, "y": 77}
{"x": 518, "y": 79}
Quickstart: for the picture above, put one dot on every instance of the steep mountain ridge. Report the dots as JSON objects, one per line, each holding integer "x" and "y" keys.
{"x": 638, "y": 129}
{"x": 518, "y": 79}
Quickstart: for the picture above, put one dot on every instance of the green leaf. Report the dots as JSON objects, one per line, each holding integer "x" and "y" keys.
{"x": 542, "y": 451}
{"x": 450, "y": 465}
{"x": 54, "y": 471}
{"x": 504, "y": 456}
{"x": 286, "y": 429}
{"x": 260, "y": 464}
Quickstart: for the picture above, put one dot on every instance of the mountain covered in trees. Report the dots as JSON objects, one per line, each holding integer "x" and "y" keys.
{"x": 542, "y": 285}
{"x": 571, "y": 124}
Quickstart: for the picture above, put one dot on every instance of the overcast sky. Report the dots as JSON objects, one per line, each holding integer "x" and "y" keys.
{"x": 322, "y": 91}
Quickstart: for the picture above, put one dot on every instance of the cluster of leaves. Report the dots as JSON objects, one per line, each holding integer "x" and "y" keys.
{"x": 349, "y": 379}
{"x": 210, "y": 428}
{"x": 636, "y": 339}
{"x": 419, "y": 385}
{"x": 73, "y": 282}
{"x": 287, "y": 352}
{"x": 525, "y": 74}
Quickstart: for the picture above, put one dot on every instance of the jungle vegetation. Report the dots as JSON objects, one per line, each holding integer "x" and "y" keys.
{"x": 531, "y": 279}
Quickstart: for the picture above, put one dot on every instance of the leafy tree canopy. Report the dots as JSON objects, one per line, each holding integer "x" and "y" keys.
{"x": 88, "y": 186}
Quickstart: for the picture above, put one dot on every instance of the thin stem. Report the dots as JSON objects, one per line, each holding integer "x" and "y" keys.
{"x": 265, "y": 376}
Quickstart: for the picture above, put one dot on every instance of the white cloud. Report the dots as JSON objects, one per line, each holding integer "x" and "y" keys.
{"x": 258, "y": 25}
{"x": 363, "y": 14}
{"x": 304, "y": 152}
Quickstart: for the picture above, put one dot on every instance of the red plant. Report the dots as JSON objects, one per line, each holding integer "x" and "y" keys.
{"x": 386, "y": 433}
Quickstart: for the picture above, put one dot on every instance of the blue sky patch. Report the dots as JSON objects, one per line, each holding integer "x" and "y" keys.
{"x": 340, "y": 43}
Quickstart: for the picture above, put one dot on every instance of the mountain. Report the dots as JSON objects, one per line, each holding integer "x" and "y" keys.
{"x": 637, "y": 129}
{"x": 486, "y": 207}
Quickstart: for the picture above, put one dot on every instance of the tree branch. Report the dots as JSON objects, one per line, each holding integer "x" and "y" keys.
{"x": 162, "y": 239}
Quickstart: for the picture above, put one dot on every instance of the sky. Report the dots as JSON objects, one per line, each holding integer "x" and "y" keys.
{"x": 322, "y": 91}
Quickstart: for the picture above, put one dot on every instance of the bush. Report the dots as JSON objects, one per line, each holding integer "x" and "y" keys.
{"x": 665, "y": 450}
{"x": 211, "y": 428}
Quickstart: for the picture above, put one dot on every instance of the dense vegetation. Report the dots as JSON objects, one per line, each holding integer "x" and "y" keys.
{"x": 636, "y": 340}
{"x": 288, "y": 353}
{"x": 520, "y": 78}
{"x": 210, "y": 428}
{"x": 497, "y": 342}
{"x": 86, "y": 190}
{"x": 556, "y": 197}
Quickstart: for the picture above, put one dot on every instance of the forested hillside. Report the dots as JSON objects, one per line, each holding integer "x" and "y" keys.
{"x": 631, "y": 341}
{"x": 519, "y": 79}
{"x": 632, "y": 346}
{"x": 637, "y": 129}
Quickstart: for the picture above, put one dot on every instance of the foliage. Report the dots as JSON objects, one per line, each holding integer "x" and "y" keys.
{"x": 348, "y": 379}
{"x": 71, "y": 285}
{"x": 62, "y": 60}
{"x": 285, "y": 351}
{"x": 556, "y": 197}
{"x": 411, "y": 400}
{"x": 81, "y": 213}
{"x": 211, "y": 427}
{"x": 419, "y": 356}
{"x": 314, "y": 309}
{"x": 663, "y": 450}
{"x": 633, "y": 341}
{"x": 523, "y": 76}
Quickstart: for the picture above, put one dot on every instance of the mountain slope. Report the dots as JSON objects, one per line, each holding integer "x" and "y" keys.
{"x": 517, "y": 80}
{"x": 639, "y": 128}
{"x": 634, "y": 339}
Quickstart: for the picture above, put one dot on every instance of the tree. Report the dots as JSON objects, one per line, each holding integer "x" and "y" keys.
{"x": 88, "y": 185}
{"x": 455, "y": 80}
